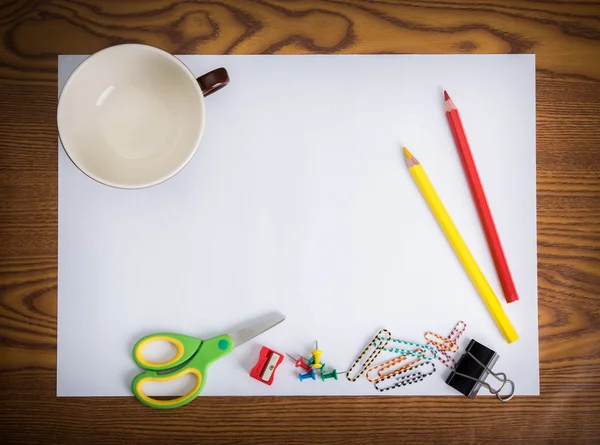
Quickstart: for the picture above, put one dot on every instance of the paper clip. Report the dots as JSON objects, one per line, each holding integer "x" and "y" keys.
{"x": 444, "y": 356}
{"x": 413, "y": 374}
{"x": 421, "y": 351}
{"x": 377, "y": 341}
{"x": 458, "y": 330}
{"x": 441, "y": 342}
{"x": 391, "y": 364}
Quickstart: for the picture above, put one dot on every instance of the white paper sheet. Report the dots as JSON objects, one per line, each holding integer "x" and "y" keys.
{"x": 299, "y": 201}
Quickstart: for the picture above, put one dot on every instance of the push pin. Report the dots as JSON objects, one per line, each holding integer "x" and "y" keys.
{"x": 299, "y": 363}
{"x": 333, "y": 374}
{"x": 317, "y": 356}
{"x": 309, "y": 375}
{"x": 311, "y": 361}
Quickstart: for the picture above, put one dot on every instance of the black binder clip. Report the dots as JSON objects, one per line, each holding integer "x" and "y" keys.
{"x": 472, "y": 369}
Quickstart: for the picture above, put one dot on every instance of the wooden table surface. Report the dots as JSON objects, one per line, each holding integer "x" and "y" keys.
{"x": 565, "y": 36}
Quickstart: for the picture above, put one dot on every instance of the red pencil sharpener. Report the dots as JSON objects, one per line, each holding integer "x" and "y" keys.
{"x": 268, "y": 361}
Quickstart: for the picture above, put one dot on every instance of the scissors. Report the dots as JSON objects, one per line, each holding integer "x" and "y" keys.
{"x": 192, "y": 357}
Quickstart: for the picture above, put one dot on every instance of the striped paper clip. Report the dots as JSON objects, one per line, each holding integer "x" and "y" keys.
{"x": 442, "y": 345}
{"x": 426, "y": 352}
{"x": 440, "y": 342}
{"x": 413, "y": 374}
{"x": 391, "y": 368}
{"x": 377, "y": 344}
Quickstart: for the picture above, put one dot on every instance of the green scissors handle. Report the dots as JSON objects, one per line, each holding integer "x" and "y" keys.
{"x": 192, "y": 357}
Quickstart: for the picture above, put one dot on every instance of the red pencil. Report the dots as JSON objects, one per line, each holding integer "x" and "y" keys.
{"x": 460, "y": 138}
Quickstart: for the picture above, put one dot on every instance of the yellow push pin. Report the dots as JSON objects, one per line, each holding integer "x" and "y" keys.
{"x": 317, "y": 356}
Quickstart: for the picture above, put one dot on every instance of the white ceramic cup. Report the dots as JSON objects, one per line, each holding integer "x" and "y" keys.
{"x": 132, "y": 116}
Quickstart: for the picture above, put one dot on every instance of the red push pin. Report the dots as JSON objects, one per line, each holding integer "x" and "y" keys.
{"x": 299, "y": 363}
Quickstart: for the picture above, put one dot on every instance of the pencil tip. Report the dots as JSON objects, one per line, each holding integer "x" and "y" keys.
{"x": 448, "y": 103}
{"x": 406, "y": 153}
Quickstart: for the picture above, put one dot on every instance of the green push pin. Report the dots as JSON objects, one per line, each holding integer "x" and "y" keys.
{"x": 311, "y": 361}
{"x": 332, "y": 374}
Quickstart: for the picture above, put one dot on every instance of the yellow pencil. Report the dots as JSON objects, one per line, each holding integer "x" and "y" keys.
{"x": 460, "y": 248}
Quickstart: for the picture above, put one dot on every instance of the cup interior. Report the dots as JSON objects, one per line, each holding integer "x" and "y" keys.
{"x": 131, "y": 116}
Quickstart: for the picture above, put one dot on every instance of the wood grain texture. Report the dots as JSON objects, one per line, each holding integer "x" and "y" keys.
{"x": 564, "y": 35}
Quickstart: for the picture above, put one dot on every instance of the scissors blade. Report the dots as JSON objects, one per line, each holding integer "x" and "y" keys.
{"x": 243, "y": 335}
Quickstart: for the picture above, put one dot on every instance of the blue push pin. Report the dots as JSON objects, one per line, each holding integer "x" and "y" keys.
{"x": 309, "y": 375}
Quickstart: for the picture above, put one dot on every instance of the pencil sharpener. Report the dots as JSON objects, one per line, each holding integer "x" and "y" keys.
{"x": 268, "y": 361}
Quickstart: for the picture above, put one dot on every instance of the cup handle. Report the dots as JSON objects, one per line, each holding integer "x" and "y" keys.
{"x": 213, "y": 81}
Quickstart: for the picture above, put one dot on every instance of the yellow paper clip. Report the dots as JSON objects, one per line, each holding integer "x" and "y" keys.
{"x": 377, "y": 344}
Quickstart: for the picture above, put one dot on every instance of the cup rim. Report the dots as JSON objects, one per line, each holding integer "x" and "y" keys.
{"x": 169, "y": 174}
